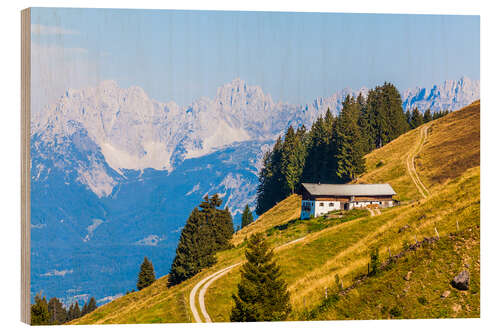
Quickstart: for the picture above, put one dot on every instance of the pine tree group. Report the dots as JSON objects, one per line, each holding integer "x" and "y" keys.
{"x": 262, "y": 293}
{"x": 57, "y": 312}
{"x": 54, "y": 312}
{"x": 146, "y": 275}
{"x": 207, "y": 230}
{"x": 246, "y": 217}
{"x": 89, "y": 306}
{"x": 40, "y": 311}
{"x": 74, "y": 311}
{"x": 349, "y": 149}
{"x": 333, "y": 150}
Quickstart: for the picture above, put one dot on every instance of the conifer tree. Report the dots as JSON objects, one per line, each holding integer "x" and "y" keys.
{"x": 207, "y": 230}
{"x": 146, "y": 275}
{"x": 315, "y": 152}
{"x": 71, "y": 312}
{"x": 57, "y": 312}
{"x": 40, "y": 311}
{"x": 386, "y": 117}
{"x": 74, "y": 311}
{"x": 292, "y": 161}
{"x": 408, "y": 117}
{"x": 264, "y": 190}
{"x": 363, "y": 123}
{"x": 223, "y": 228}
{"x": 397, "y": 119}
{"x": 349, "y": 146}
{"x": 246, "y": 217}
{"x": 436, "y": 115}
{"x": 271, "y": 180}
{"x": 194, "y": 250}
{"x": 262, "y": 293}
{"x": 219, "y": 222}
{"x": 427, "y": 116}
{"x": 416, "y": 118}
{"x": 92, "y": 304}
{"x": 319, "y": 163}
{"x": 84, "y": 309}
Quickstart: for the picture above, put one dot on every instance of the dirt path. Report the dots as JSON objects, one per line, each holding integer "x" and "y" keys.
{"x": 374, "y": 211}
{"x": 410, "y": 163}
{"x": 206, "y": 282}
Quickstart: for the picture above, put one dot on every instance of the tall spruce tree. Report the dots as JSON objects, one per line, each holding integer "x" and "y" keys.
{"x": 427, "y": 116}
{"x": 74, "y": 311}
{"x": 292, "y": 160}
{"x": 262, "y": 293}
{"x": 246, "y": 217}
{"x": 408, "y": 117}
{"x": 219, "y": 222}
{"x": 146, "y": 275}
{"x": 416, "y": 118}
{"x": 223, "y": 228}
{"x": 363, "y": 123}
{"x": 386, "y": 118}
{"x": 319, "y": 163}
{"x": 91, "y": 305}
{"x": 207, "y": 230}
{"x": 349, "y": 145}
{"x": 84, "y": 309}
{"x": 71, "y": 312}
{"x": 271, "y": 180}
{"x": 57, "y": 312}
{"x": 264, "y": 190}
{"x": 194, "y": 250}
{"x": 397, "y": 119}
{"x": 315, "y": 149}
{"x": 40, "y": 311}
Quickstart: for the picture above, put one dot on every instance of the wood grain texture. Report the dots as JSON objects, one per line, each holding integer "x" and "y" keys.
{"x": 25, "y": 162}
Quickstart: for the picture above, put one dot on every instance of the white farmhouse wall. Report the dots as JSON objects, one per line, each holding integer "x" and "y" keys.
{"x": 362, "y": 204}
{"x": 311, "y": 208}
{"x": 323, "y": 207}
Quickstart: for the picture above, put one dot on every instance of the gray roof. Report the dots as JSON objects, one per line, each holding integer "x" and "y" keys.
{"x": 349, "y": 189}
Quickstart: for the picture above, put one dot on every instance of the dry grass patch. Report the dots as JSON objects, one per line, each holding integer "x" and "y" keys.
{"x": 286, "y": 210}
{"x": 452, "y": 146}
{"x": 388, "y": 165}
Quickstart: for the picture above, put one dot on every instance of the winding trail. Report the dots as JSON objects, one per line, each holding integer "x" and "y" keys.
{"x": 410, "y": 163}
{"x": 374, "y": 211}
{"x": 205, "y": 283}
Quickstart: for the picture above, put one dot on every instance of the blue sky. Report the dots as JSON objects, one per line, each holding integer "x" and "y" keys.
{"x": 183, "y": 55}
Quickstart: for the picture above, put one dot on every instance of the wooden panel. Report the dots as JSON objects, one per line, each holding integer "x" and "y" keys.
{"x": 25, "y": 163}
{"x": 380, "y": 198}
{"x": 341, "y": 199}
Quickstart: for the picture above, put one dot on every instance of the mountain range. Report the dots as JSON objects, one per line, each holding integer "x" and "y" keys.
{"x": 115, "y": 173}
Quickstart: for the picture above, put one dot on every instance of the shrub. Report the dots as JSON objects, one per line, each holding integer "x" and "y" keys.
{"x": 395, "y": 312}
{"x": 374, "y": 261}
{"x": 422, "y": 300}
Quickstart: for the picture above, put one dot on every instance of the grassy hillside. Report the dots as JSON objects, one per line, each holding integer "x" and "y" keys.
{"x": 448, "y": 164}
